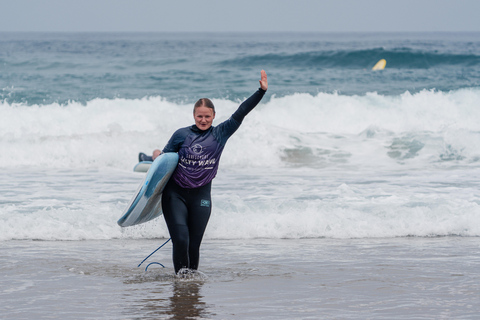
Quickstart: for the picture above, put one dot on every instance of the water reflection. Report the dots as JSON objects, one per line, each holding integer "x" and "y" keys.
{"x": 162, "y": 298}
{"x": 186, "y": 301}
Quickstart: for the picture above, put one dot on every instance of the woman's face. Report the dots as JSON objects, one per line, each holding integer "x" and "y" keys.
{"x": 203, "y": 117}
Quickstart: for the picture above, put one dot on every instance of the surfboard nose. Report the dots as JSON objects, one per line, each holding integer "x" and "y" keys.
{"x": 380, "y": 65}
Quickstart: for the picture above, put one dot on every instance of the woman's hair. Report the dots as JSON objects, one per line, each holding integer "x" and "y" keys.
{"x": 204, "y": 102}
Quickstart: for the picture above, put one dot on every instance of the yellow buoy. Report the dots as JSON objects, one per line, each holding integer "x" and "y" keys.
{"x": 380, "y": 65}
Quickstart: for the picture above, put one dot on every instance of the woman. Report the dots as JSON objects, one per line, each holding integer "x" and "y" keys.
{"x": 186, "y": 200}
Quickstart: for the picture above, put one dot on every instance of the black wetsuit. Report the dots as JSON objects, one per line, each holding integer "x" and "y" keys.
{"x": 186, "y": 200}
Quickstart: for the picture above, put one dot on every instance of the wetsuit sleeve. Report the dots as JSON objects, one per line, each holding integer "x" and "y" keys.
{"x": 176, "y": 140}
{"x": 248, "y": 105}
{"x": 224, "y": 131}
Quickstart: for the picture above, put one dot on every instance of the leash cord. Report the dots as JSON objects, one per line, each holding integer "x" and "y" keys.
{"x": 153, "y": 263}
{"x": 152, "y": 254}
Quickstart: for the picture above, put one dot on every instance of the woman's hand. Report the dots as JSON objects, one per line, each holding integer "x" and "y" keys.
{"x": 263, "y": 80}
{"x": 156, "y": 153}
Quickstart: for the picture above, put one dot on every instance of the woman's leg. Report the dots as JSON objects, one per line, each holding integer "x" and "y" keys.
{"x": 200, "y": 207}
{"x": 175, "y": 213}
{"x": 186, "y": 212}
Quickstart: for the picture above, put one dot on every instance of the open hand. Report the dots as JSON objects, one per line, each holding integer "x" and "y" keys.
{"x": 263, "y": 81}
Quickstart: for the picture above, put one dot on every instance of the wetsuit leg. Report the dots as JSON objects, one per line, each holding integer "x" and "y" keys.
{"x": 199, "y": 214}
{"x": 175, "y": 213}
{"x": 186, "y": 213}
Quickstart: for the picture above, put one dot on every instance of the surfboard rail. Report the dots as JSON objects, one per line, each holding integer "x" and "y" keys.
{"x": 146, "y": 204}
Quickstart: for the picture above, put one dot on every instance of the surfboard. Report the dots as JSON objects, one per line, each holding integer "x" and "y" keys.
{"x": 142, "y": 166}
{"x": 380, "y": 65}
{"x": 146, "y": 204}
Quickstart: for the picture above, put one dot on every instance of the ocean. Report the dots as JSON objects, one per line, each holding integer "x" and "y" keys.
{"x": 346, "y": 194}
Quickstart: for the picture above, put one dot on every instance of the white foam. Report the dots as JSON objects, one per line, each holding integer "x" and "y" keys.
{"x": 300, "y": 166}
{"x": 110, "y": 133}
{"x": 294, "y": 203}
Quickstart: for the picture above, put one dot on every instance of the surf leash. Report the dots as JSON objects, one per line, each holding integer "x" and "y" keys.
{"x": 148, "y": 265}
{"x": 152, "y": 254}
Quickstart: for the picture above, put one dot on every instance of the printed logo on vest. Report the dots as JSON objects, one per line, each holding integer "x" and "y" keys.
{"x": 198, "y": 149}
{"x": 204, "y": 203}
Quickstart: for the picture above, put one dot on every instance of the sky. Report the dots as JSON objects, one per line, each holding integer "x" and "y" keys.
{"x": 239, "y": 15}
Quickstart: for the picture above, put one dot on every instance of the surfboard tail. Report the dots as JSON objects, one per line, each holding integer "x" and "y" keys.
{"x": 146, "y": 203}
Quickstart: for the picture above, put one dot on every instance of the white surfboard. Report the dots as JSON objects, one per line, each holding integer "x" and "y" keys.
{"x": 146, "y": 204}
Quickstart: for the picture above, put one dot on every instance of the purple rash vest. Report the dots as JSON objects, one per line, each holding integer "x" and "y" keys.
{"x": 199, "y": 151}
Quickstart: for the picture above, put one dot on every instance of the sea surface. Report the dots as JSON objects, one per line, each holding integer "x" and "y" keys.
{"x": 346, "y": 194}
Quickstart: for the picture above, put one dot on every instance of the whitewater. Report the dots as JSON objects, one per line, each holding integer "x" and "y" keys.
{"x": 347, "y": 166}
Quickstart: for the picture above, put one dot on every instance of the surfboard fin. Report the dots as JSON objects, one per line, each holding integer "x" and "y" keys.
{"x": 143, "y": 157}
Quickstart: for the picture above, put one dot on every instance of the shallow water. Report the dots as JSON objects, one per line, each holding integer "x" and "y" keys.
{"x": 401, "y": 278}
